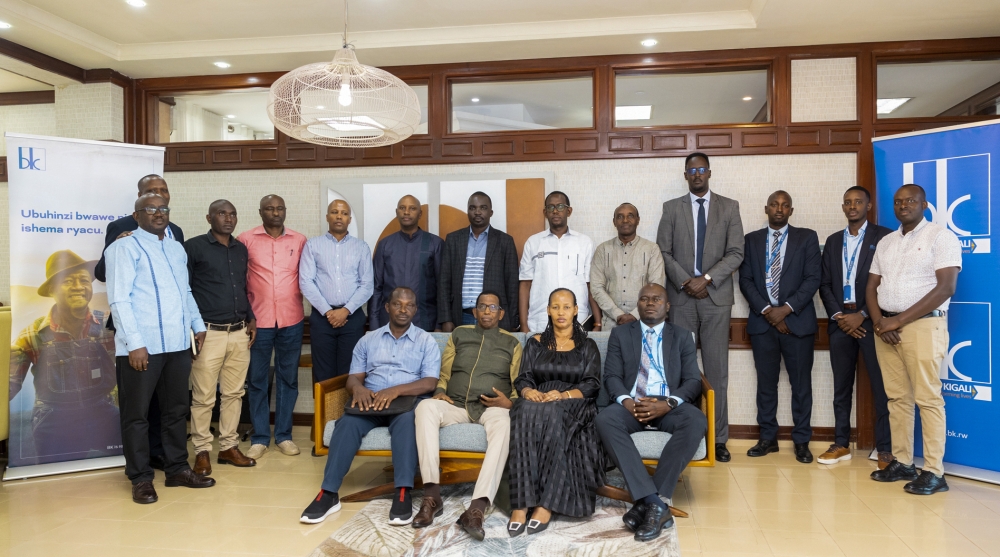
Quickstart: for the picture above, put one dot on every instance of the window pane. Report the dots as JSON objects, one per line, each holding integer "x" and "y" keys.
{"x": 675, "y": 99}
{"x": 214, "y": 116}
{"x": 421, "y": 91}
{"x": 522, "y": 105}
{"x": 951, "y": 88}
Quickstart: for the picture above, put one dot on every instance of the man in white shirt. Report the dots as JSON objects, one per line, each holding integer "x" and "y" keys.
{"x": 912, "y": 279}
{"x": 556, "y": 258}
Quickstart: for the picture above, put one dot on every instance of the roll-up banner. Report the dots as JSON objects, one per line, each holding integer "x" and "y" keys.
{"x": 63, "y": 394}
{"x": 956, "y": 167}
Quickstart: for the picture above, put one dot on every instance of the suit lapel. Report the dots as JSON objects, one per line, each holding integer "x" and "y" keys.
{"x": 760, "y": 244}
{"x": 463, "y": 247}
{"x": 866, "y": 243}
{"x": 689, "y": 223}
{"x": 836, "y": 268}
{"x": 791, "y": 251}
{"x": 492, "y": 245}
{"x": 714, "y": 212}
{"x": 668, "y": 339}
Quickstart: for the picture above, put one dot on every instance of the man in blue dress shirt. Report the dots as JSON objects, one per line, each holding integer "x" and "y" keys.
{"x": 335, "y": 275}
{"x": 396, "y": 360}
{"x": 155, "y": 315}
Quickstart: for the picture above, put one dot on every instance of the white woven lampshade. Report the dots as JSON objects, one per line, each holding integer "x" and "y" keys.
{"x": 343, "y": 104}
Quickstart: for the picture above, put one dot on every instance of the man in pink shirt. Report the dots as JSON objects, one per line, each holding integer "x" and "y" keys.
{"x": 273, "y": 288}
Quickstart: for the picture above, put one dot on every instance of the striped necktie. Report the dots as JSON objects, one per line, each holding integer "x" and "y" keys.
{"x": 776, "y": 265}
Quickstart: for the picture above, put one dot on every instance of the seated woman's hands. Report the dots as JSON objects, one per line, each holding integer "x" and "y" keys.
{"x": 534, "y": 395}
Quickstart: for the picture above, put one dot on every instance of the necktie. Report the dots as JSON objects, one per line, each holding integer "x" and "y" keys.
{"x": 699, "y": 250}
{"x": 645, "y": 363}
{"x": 775, "y": 265}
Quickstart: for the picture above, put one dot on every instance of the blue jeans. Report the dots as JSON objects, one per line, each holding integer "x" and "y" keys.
{"x": 286, "y": 343}
{"x": 351, "y": 430}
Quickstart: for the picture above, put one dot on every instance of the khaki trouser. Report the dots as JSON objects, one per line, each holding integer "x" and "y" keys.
{"x": 223, "y": 361}
{"x": 432, "y": 415}
{"x": 911, "y": 372}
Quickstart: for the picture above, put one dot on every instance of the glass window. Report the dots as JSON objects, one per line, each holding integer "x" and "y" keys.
{"x": 421, "y": 91}
{"x": 214, "y": 116}
{"x": 540, "y": 104}
{"x": 947, "y": 88}
{"x": 685, "y": 98}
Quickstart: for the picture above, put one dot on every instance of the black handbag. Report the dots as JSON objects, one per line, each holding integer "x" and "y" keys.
{"x": 399, "y": 405}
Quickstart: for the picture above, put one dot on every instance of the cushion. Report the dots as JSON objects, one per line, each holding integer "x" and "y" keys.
{"x": 457, "y": 437}
{"x": 650, "y": 444}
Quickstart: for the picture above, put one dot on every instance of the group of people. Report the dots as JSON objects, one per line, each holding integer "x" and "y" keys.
{"x": 217, "y": 308}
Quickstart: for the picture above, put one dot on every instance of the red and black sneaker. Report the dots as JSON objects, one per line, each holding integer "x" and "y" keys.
{"x": 325, "y": 504}
{"x": 401, "y": 512}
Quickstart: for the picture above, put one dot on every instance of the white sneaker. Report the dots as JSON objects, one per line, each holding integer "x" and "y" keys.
{"x": 288, "y": 448}
{"x": 256, "y": 451}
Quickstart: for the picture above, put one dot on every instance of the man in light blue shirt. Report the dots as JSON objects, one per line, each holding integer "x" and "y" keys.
{"x": 396, "y": 360}
{"x": 335, "y": 275}
{"x": 155, "y": 315}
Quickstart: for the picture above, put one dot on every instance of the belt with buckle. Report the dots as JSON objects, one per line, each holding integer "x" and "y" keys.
{"x": 850, "y": 307}
{"x": 935, "y": 313}
{"x": 228, "y": 327}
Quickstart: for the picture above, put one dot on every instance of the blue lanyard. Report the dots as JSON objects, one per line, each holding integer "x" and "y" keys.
{"x": 771, "y": 254}
{"x": 857, "y": 248}
{"x": 652, "y": 360}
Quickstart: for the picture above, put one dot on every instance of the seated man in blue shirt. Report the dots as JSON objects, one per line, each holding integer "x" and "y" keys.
{"x": 397, "y": 359}
{"x": 652, "y": 372}
{"x": 155, "y": 316}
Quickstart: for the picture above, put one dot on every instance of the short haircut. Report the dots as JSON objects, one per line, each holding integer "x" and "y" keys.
{"x": 344, "y": 201}
{"x": 624, "y": 204}
{"x": 402, "y": 291}
{"x": 919, "y": 188}
{"x": 140, "y": 201}
{"x": 488, "y": 293}
{"x": 780, "y": 192}
{"x": 696, "y": 154}
{"x": 868, "y": 196}
{"x": 555, "y": 193}
{"x": 149, "y": 178}
{"x": 482, "y": 194}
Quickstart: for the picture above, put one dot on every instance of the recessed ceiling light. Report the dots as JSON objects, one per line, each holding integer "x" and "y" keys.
{"x": 748, "y": 98}
{"x": 885, "y": 106}
{"x": 633, "y": 112}
{"x": 222, "y": 65}
{"x": 230, "y": 116}
{"x": 649, "y": 42}
{"x": 475, "y": 99}
{"x": 5, "y": 25}
{"x": 136, "y": 3}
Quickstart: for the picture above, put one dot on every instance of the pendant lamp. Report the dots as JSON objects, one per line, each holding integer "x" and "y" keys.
{"x": 343, "y": 103}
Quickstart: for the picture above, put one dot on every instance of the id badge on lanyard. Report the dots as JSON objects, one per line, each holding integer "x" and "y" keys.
{"x": 849, "y": 265}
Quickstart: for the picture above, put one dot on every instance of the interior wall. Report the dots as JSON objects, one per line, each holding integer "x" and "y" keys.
{"x": 37, "y": 119}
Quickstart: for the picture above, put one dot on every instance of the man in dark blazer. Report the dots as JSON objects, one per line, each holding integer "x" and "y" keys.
{"x": 151, "y": 183}
{"x": 701, "y": 238}
{"x": 779, "y": 276}
{"x": 842, "y": 289}
{"x": 651, "y": 374}
{"x": 469, "y": 267}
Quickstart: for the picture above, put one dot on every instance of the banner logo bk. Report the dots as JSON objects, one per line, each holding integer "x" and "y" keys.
{"x": 958, "y": 196}
{"x": 30, "y": 158}
{"x": 970, "y": 332}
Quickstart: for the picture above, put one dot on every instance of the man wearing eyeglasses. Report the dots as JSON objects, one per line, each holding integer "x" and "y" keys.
{"x": 478, "y": 369}
{"x": 701, "y": 238}
{"x": 556, "y": 258}
{"x": 276, "y": 300}
{"x": 156, "y": 316}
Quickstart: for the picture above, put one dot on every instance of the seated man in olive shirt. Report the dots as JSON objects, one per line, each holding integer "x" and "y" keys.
{"x": 478, "y": 369}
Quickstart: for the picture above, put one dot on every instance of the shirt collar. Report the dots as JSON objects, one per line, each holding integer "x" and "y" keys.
{"x": 260, "y": 230}
{"x": 771, "y": 231}
{"x": 655, "y": 328}
{"x": 213, "y": 240}
{"x": 149, "y": 236}
{"x": 619, "y": 241}
{"x": 491, "y": 332}
{"x": 861, "y": 231}
{"x": 707, "y": 197}
{"x": 409, "y": 332}
{"x": 331, "y": 236}
{"x": 569, "y": 232}
{"x": 51, "y": 323}
{"x": 409, "y": 238}
{"x": 481, "y": 236}
{"x": 921, "y": 224}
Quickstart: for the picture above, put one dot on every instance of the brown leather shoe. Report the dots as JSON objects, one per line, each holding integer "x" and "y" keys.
{"x": 472, "y": 521}
{"x": 429, "y": 508}
{"x": 236, "y": 458}
{"x": 884, "y": 459}
{"x": 144, "y": 494}
{"x": 188, "y": 478}
{"x": 203, "y": 464}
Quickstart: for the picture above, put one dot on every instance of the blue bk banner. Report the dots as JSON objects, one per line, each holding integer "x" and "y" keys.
{"x": 956, "y": 166}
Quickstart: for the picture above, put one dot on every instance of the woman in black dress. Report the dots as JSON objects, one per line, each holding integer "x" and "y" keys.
{"x": 556, "y": 457}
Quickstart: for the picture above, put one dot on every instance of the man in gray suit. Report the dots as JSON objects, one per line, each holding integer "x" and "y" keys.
{"x": 701, "y": 237}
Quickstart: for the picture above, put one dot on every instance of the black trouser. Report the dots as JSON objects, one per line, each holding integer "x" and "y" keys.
{"x": 768, "y": 350}
{"x": 166, "y": 378}
{"x": 332, "y": 348}
{"x": 686, "y": 425}
{"x": 844, "y": 360}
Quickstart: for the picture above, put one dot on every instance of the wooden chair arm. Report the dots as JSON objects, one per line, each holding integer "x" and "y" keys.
{"x": 329, "y": 398}
{"x": 708, "y": 408}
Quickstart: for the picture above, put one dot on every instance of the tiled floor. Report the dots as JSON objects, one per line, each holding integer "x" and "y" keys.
{"x": 768, "y": 506}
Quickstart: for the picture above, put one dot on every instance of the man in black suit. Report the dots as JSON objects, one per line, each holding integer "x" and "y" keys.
{"x": 474, "y": 260}
{"x": 651, "y": 371}
{"x": 847, "y": 256}
{"x": 779, "y": 276}
{"x": 124, "y": 226}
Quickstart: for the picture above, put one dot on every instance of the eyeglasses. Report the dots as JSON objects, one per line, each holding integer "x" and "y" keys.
{"x": 695, "y": 171}
{"x": 908, "y": 201}
{"x": 492, "y": 307}
{"x": 553, "y": 208}
{"x": 163, "y": 210}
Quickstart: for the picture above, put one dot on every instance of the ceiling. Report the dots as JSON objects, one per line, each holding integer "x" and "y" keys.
{"x": 185, "y": 37}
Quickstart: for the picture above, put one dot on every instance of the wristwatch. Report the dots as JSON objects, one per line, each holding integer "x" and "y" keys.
{"x": 708, "y": 277}
{"x": 672, "y": 403}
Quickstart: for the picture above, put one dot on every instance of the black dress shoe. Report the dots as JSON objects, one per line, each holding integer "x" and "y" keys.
{"x": 635, "y": 516}
{"x": 722, "y": 453}
{"x": 926, "y": 484}
{"x": 657, "y": 519}
{"x": 763, "y": 447}
{"x": 895, "y": 472}
{"x": 802, "y": 453}
{"x": 188, "y": 478}
{"x": 157, "y": 461}
{"x": 144, "y": 494}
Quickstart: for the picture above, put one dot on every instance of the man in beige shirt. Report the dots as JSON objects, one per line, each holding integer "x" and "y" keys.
{"x": 621, "y": 267}
{"x": 911, "y": 281}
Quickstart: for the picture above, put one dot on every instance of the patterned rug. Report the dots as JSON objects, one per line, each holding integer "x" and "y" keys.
{"x": 369, "y": 534}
